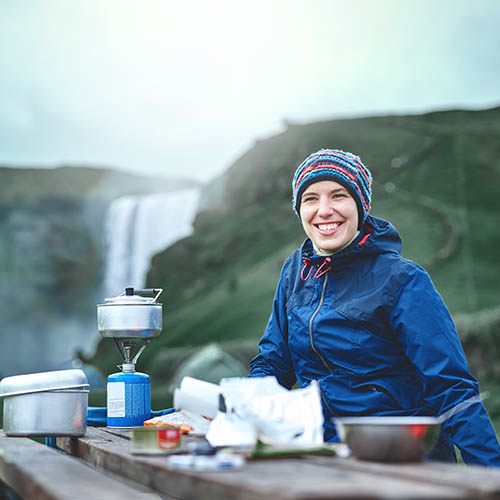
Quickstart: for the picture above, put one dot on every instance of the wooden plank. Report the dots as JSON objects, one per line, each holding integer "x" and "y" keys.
{"x": 35, "y": 471}
{"x": 479, "y": 482}
{"x": 284, "y": 479}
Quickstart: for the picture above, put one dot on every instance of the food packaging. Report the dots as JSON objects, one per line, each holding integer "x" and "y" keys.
{"x": 176, "y": 419}
{"x": 45, "y": 404}
{"x": 259, "y": 408}
{"x": 155, "y": 440}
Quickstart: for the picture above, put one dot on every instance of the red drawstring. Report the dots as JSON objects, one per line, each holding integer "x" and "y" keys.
{"x": 365, "y": 237}
{"x": 306, "y": 263}
{"x": 318, "y": 273}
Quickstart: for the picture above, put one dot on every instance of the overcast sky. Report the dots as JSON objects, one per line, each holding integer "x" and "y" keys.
{"x": 182, "y": 88}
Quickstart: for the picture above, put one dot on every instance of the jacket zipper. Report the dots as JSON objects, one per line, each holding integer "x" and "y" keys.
{"x": 322, "y": 298}
{"x": 320, "y": 356}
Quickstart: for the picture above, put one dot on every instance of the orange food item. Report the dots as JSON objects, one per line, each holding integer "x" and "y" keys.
{"x": 158, "y": 422}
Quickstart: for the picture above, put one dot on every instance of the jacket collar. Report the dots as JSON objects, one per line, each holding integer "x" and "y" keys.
{"x": 377, "y": 236}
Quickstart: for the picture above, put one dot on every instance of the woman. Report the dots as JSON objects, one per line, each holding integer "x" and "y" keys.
{"x": 352, "y": 313}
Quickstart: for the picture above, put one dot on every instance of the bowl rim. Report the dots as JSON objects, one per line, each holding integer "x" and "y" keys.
{"x": 387, "y": 420}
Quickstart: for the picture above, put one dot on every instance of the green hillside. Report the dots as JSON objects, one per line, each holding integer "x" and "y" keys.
{"x": 30, "y": 186}
{"x": 436, "y": 177}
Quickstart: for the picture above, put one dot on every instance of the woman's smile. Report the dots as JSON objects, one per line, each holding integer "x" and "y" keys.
{"x": 328, "y": 228}
{"x": 329, "y": 215}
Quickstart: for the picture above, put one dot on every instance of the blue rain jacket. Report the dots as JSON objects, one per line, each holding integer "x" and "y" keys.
{"x": 376, "y": 334}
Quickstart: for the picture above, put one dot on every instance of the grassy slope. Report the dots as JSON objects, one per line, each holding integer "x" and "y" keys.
{"x": 27, "y": 186}
{"x": 219, "y": 282}
{"x": 33, "y": 183}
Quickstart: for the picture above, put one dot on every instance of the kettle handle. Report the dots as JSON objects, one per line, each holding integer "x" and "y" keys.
{"x": 145, "y": 292}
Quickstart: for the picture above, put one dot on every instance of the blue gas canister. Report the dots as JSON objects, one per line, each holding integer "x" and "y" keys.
{"x": 128, "y": 398}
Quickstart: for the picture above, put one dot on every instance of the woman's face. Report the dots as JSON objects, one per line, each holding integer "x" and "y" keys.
{"x": 329, "y": 215}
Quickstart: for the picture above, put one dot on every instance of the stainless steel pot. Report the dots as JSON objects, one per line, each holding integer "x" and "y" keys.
{"x": 45, "y": 404}
{"x": 132, "y": 314}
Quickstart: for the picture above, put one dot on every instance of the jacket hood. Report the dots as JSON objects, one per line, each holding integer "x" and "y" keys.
{"x": 377, "y": 236}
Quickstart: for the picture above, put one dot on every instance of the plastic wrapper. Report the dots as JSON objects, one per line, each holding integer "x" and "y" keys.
{"x": 228, "y": 429}
{"x": 187, "y": 422}
{"x": 259, "y": 408}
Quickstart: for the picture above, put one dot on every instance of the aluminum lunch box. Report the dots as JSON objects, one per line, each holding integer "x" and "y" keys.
{"x": 45, "y": 404}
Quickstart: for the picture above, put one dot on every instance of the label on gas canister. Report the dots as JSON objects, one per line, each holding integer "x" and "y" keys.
{"x": 116, "y": 399}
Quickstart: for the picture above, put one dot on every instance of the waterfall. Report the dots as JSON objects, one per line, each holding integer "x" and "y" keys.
{"x": 138, "y": 227}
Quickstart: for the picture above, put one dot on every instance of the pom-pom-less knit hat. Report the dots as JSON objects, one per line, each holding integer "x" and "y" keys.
{"x": 339, "y": 166}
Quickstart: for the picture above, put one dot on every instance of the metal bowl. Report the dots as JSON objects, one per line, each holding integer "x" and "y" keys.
{"x": 45, "y": 404}
{"x": 389, "y": 439}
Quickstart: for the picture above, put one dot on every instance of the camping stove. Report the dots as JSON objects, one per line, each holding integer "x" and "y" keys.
{"x": 131, "y": 319}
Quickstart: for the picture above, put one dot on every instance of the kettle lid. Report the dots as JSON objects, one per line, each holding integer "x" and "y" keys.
{"x": 135, "y": 296}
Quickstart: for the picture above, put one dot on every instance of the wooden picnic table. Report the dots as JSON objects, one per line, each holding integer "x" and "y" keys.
{"x": 307, "y": 477}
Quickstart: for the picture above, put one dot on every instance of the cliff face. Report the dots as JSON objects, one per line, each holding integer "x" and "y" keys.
{"x": 51, "y": 256}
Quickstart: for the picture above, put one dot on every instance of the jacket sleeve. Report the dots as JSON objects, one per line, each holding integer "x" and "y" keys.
{"x": 274, "y": 355}
{"x": 428, "y": 336}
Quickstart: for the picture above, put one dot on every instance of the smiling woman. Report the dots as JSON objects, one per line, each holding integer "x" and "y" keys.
{"x": 351, "y": 313}
{"x": 329, "y": 216}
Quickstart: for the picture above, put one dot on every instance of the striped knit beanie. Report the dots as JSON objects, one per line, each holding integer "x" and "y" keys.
{"x": 339, "y": 166}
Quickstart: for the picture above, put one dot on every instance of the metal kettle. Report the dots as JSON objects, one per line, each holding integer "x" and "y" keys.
{"x": 134, "y": 314}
